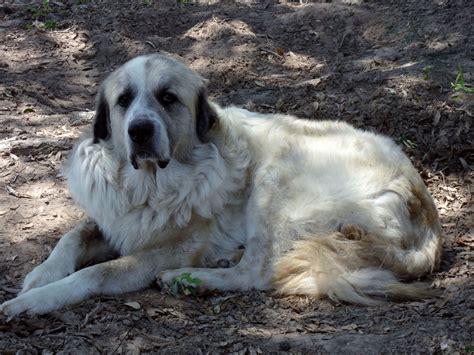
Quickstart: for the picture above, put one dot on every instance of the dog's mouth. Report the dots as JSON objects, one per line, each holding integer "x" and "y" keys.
{"x": 140, "y": 157}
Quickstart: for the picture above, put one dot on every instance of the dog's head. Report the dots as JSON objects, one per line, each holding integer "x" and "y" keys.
{"x": 153, "y": 109}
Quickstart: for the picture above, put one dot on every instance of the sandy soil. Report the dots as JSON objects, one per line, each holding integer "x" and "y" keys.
{"x": 377, "y": 65}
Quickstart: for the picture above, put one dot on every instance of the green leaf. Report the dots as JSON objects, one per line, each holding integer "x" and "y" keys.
{"x": 184, "y": 284}
{"x": 459, "y": 84}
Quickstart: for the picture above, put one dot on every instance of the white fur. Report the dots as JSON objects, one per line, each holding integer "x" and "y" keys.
{"x": 263, "y": 182}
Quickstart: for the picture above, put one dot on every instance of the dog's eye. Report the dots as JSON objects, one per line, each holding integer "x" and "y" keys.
{"x": 124, "y": 100}
{"x": 168, "y": 98}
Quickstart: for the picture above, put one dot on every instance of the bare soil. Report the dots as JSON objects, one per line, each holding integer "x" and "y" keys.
{"x": 380, "y": 65}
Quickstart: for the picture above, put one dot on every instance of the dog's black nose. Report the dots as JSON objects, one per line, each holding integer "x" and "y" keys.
{"x": 140, "y": 131}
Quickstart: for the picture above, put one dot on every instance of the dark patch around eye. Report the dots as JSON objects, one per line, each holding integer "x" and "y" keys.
{"x": 166, "y": 98}
{"x": 125, "y": 99}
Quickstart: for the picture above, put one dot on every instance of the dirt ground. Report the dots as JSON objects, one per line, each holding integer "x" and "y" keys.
{"x": 380, "y": 65}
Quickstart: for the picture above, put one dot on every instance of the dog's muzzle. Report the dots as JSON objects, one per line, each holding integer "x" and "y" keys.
{"x": 141, "y": 133}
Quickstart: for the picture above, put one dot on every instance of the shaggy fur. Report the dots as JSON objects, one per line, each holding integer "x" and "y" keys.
{"x": 318, "y": 207}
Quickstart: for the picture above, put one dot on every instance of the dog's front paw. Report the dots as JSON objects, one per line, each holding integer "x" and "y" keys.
{"x": 12, "y": 308}
{"x": 44, "y": 274}
{"x": 28, "y": 302}
{"x": 36, "y": 301}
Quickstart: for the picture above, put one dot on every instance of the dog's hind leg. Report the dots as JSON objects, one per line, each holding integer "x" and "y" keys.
{"x": 82, "y": 245}
{"x": 254, "y": 270}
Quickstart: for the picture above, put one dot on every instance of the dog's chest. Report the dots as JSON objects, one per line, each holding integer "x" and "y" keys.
{"x": 219, "y": 235}
{"x": 135, "y": 208}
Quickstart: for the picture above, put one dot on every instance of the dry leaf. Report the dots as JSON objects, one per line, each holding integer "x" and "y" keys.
{"x": 464, "y": 163}
{"x": 152, "y": 311}
{"x": 280, "y": 51}
{"x": 133, "y": 304}
{"x": 436, "y": 119}
{"x": 351, "y": 326}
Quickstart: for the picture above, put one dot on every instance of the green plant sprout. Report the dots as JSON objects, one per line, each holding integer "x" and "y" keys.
{"x": 40, "y": 11}
{"x": 409, "y": 144}
{"x": 185, "y": 284}
{"x": 459, "y": 85}
{"x": 50, "y": 24}
{"x": 426, "y": 71}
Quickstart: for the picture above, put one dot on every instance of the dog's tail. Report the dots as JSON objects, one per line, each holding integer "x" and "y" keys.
{"x": 355, "y": 267}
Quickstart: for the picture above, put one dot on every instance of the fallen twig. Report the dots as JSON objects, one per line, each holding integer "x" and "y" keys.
{"x": 271, "y": 52}
{"x": 11, "y": 191}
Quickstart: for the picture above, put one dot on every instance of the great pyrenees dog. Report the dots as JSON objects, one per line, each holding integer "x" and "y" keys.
{"x": 172, "y": 183}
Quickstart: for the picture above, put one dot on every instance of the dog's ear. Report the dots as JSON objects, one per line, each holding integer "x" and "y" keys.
{"x": 102, "y": 119}
{"x": 205, "y": 116}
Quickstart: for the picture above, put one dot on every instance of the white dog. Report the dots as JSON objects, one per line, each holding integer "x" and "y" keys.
{"x": 173, "y": 183}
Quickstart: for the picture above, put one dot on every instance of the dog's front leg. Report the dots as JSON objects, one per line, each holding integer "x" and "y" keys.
{"x": 125, "y": 274}
{"x": 81, "y": 245}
